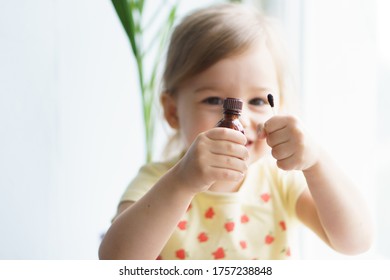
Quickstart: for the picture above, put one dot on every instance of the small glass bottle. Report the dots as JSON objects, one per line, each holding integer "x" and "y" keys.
{"x": 232, "y": 108}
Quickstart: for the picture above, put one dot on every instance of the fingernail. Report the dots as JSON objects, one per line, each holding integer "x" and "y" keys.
{"x": 260, "y": 131}
{"x": 259, "y": 128}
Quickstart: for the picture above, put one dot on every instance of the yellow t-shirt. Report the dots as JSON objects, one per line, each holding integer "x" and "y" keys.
{"x": 255, "y": 222}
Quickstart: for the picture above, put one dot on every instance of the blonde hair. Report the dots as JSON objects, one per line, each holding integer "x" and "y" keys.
{"x": 210, "y": 34}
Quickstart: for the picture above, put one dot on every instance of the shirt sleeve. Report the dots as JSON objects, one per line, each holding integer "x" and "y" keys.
{"x": 147, "y": 177}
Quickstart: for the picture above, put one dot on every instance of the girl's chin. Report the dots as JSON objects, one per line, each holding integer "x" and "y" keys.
{"x": 256, "y": 153}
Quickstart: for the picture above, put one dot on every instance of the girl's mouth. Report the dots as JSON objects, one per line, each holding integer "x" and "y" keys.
{"x": 248, "y": 143}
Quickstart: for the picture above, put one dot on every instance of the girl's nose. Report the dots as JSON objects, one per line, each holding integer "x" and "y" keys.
{"x": 244, "y": 119}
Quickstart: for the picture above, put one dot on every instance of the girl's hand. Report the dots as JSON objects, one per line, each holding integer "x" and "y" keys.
{"x": 216, "y": 154}
{"x": 291, "y": 146}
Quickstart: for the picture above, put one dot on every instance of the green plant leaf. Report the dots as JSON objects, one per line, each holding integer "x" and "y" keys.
{"x": 130, "y": 13}
{"x": 124, "y": 11}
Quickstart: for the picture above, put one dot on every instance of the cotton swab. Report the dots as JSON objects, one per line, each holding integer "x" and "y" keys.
{"x": 270, "y": 99}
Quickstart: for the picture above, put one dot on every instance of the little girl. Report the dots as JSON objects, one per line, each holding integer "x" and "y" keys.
{"x": 228, "y": 195}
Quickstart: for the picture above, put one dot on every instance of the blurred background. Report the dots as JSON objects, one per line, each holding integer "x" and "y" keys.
{"x": 71, "y": 128}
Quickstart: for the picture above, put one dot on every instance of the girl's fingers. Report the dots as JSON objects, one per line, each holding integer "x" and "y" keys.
{"x": 261, "y": 133}
{"x": 227, "y": 134}
{"x": 279, "y": 122}
{"x": 278, "y": 137}
{"x": 287, "y": 163}
{"x": 283, "y": 151}
{"x": 228, "y": 163}
{"x": 222, "y": 174}
{"x": 282, "y": 129}
{"x": 228, "y": 148}
{"x": 290, "y": 147}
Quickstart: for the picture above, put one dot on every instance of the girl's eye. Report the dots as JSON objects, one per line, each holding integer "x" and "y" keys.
{"x": 213, "y": 101}
{"x": 257, "y": 101}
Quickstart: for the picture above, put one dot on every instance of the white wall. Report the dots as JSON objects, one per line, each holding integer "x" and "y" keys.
{"x": 71, "y": 136}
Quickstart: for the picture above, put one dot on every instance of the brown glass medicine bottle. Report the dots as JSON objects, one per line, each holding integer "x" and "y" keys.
{"x": 232, "y": 108}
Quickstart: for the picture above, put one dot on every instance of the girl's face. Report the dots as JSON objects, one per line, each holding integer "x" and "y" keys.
{"x": 250, "y": 76}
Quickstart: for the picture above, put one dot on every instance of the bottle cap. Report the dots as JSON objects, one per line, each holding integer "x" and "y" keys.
{"x": 232, "y": 104}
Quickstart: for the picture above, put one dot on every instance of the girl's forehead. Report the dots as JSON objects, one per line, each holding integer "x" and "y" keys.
{"x": 257, "y": 58}
{"x": 258, "y": 48}
{"x": 253, "y": 69}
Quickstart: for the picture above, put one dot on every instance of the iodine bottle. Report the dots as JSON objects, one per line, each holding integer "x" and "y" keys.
{"x": 232, "y": 108}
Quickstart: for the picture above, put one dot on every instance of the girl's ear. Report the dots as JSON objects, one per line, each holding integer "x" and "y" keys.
{"x": 170, "y": 110}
